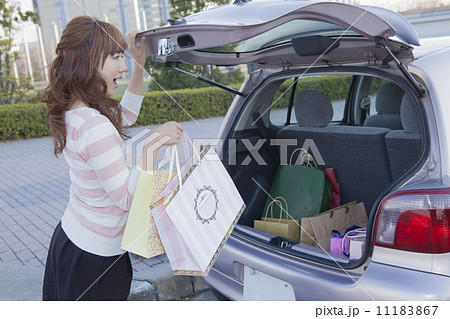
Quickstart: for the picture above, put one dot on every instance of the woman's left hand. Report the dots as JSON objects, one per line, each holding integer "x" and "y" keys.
{"x": 139, "y": 53}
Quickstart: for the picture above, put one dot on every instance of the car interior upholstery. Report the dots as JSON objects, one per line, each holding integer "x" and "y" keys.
{"x": 387, "y": 105}
{"x": 405, "y": 145}
{"x": 352, "y": 151}
{"x": 366, "y": 158}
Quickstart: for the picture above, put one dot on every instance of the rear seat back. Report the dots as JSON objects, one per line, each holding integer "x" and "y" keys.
{"x": 404, "y": 146}
{"x": 387, "y": 105}
{"x": 357, "y": 154}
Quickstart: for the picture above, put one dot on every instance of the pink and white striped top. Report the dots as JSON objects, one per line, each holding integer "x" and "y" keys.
{"x": 102, "y": 183}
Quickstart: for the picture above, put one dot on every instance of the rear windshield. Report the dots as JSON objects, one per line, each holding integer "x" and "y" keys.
{"x": 283, "y": 34}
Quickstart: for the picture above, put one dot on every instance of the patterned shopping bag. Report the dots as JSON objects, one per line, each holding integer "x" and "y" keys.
{"x": 141, "y": 236}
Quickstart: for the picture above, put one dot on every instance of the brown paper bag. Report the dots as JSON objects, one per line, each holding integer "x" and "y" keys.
{"x": 278, "y": 226}
{"x": 316, "y": 231}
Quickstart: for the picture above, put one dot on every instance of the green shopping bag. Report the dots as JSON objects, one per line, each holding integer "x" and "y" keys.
{"x": 305, "y": 188}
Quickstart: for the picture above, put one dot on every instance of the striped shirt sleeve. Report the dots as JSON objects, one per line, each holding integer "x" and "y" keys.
{"x": 101, "y": 147}
{"x": 131, "y": 106}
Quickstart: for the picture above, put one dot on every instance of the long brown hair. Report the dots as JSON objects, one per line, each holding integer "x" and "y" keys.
{"x": 74, "y": 74}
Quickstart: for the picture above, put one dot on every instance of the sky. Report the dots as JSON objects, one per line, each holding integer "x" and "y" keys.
{"x": 25, "y": 4}
{"x": 29, "y": 28}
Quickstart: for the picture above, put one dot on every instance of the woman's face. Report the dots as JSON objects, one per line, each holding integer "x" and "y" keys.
{"x": 112, "y": 71}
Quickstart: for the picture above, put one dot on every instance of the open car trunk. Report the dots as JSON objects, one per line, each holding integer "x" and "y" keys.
{"x": 350, "y": 55}
{"x": 369, "y": 143}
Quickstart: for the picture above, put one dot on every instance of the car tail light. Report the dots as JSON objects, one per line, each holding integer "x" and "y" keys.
{"x": 416, "y": 221}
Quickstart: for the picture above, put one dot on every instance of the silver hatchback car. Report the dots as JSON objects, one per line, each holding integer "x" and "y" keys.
{"x": 374, "y": 110}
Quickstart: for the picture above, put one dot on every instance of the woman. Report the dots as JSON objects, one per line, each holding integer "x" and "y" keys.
{"x": 85, "y": 261}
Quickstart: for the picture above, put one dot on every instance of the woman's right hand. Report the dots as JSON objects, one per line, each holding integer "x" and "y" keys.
{"x": 168, "y": 134}
{"x": 171, "y": 129}
{"x": 138, "y": 53}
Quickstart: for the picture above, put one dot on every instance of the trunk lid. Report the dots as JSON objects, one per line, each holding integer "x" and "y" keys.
{"x": 283, "y": 33}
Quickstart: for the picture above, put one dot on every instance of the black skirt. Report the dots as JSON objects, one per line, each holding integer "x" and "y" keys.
{"x": 74, "y": 274}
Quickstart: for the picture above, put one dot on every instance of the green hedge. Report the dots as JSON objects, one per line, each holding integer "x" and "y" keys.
{"x": 23, "y": 121}
{"x": 159, "y": 107}
{"x": 334, "y": 86}
{"x": 29, "y": 120}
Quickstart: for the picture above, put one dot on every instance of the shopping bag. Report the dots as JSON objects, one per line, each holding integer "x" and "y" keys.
{"x": 141, "y": 236}
{"x": 318, "y": 232}
{"x": 278, "y": 226}
{"x": 304, "y": 187}
{"x": 340, "y": 243}
{"x": 195, "y": 217}
{"x": 351, "y": 244}
{"x": 357, "y": 243}
{"x": 335, "y": 191}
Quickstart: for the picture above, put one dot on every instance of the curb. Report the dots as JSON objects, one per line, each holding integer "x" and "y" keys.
{"x": 20, "y": 283}
{"x": 158, "y": 283}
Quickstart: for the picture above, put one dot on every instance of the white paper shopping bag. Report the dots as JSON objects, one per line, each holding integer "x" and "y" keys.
{"x": 197, "y": 218}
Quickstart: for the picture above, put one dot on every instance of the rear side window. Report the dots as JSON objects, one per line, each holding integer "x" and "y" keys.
{"x": 336, "y": 87}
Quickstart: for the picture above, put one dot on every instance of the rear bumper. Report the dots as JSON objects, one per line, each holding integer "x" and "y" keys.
{"x": 314, "y": 281}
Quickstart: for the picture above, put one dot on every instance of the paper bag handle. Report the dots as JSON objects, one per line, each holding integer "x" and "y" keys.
{"x": 339, "y": 208}
{"x": 164, "y": 159}
{"x": 351, "y": 233}
{"x": 276, "y": 199}
{"x": 304, "y": 153}
{"x": 174, "y": 157}
{"x": 186, "y": 141}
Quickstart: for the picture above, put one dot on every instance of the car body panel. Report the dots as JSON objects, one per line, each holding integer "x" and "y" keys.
{"x": 431, "y": 263}
{"x": 230, "y": 24}
{"x": 435, "y": 76}
{"x": 351, "y": 52}
{"x": 404, "y": 31}
{"x": 312, "y": 281}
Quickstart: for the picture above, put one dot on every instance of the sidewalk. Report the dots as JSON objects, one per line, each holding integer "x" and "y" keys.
{"x": 34, "y": 190}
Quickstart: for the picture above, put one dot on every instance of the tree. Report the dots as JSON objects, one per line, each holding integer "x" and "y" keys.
{"x": 181, "y": 8}
{"x": 169, "y": 79}
{"x": 11, "y": 89}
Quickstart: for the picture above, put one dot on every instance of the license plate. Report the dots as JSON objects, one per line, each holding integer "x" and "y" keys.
{"x": 261, "y": 286}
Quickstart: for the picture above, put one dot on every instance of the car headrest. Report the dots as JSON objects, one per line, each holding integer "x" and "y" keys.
{"x": 389, "y": 98}
{"x": 409, "y": 116}
{"x": 313, "y": 109}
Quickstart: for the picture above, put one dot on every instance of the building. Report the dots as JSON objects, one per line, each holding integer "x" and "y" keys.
{"x": 430, "y": 24}
{"x": 127, "y": 15}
